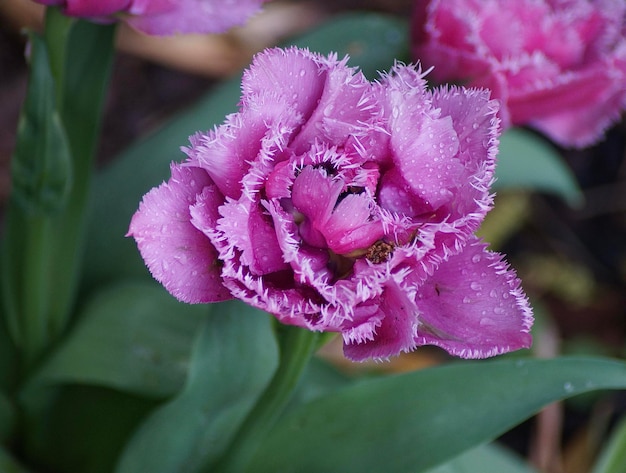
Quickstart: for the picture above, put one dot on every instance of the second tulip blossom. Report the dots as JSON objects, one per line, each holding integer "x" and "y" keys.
{"x": 165, "y": 17}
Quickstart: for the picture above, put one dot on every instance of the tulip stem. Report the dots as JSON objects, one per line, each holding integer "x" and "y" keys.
{"x": 296, "y": 350}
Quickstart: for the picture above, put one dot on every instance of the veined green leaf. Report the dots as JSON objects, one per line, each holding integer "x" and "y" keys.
{"x": 234, "y": 358}
{"x": 415, "y": 421}
{"x": 133, "y": 337}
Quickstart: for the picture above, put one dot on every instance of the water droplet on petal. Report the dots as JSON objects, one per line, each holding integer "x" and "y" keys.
{"x": 475, "y": 286}
{"x": 476, "y": 258}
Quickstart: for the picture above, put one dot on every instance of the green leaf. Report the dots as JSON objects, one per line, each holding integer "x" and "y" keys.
{"x": 613, "y": 458}
{"x": 81, "y": 428}
{"x": 234, "y": 358}
{"x": 415, "y": 421}
{"x": 372, "y": 40}
{"x": 489, "y": 458}
{"x": 526, "y": 161}
{"x": 7, "y": 418}
{"x": 134, "y": 337}
{"x": 51, "y": 178}
{"x": 8, "y": 464}
{"x": 41, "y": 166}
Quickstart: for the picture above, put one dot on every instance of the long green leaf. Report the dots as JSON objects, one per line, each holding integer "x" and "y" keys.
{"x": 412, "y": 422}
{"x": 526, "y": 161}
{"x": 41, "y": 176}
{"x": 133, "y": 337}
{"x": 489, "y": 458}
{"x": 51, "y": 178}
{"x": 234, "y": 358}
{"x": 41, "y": 171}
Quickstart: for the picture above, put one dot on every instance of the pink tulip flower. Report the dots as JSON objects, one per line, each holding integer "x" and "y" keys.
{"x": 558, "y": 66}
{"x": 165, "y": 17}
{"x": 339, "y": 204}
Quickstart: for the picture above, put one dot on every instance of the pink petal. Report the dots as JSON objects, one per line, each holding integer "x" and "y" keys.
{"x": 196, "y": 16}
{"x": 296, "y": 74}
{"x": 314, "y": 195}
{"x": 575, "y": 109}
{"x": 250, "y": 231}
{"x": 393, "y": 334}
{"x": 178, "y": 255}
{"x": 345, "y": 105}
{"x": 473, "y": 306}
{"x": 90, "y": 8}
{"x": 350, "y": 226}
{"x": 259, "y": 131}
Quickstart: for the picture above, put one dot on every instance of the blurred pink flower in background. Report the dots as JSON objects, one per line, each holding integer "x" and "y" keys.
{"x": 558, "y": 66}
{"x": 339, "y": 204}
{"x": 165, "y": 17}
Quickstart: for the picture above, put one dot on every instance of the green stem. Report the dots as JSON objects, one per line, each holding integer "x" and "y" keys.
{"x": 296, "y": 350}
{"x": 51, "y": 172}
{"x": 56, "y": 35}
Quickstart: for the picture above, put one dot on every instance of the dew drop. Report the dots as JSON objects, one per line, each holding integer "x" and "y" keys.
{"x": 498, "y": 310}
{"x": 302, "y": 73}
{"x": 493, "y": 293}
{"x": 476, "y": 258}
{"x": 475, "y": 286}
{"x": 466, "y": 300}
{"x": 569, "y": 387}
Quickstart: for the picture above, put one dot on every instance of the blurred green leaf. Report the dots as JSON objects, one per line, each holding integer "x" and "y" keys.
{"x": 234, "y": 358}
{"x": 489, "y": 458}
{"x": 80, "y": 429}
{"x": 613, "y": 457}
{"x": 51, "y": 177}
{"x": 134, "y": 337}
{"x": 415, "y": 421}
{"x": 8, "y": 464}
{"x": 526, "y": 161}
{"x": 41, "y": 170}
{"x": 320, "y": 378}
{"x": 7, "y": 418}
{"x": 372, "y": 40}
